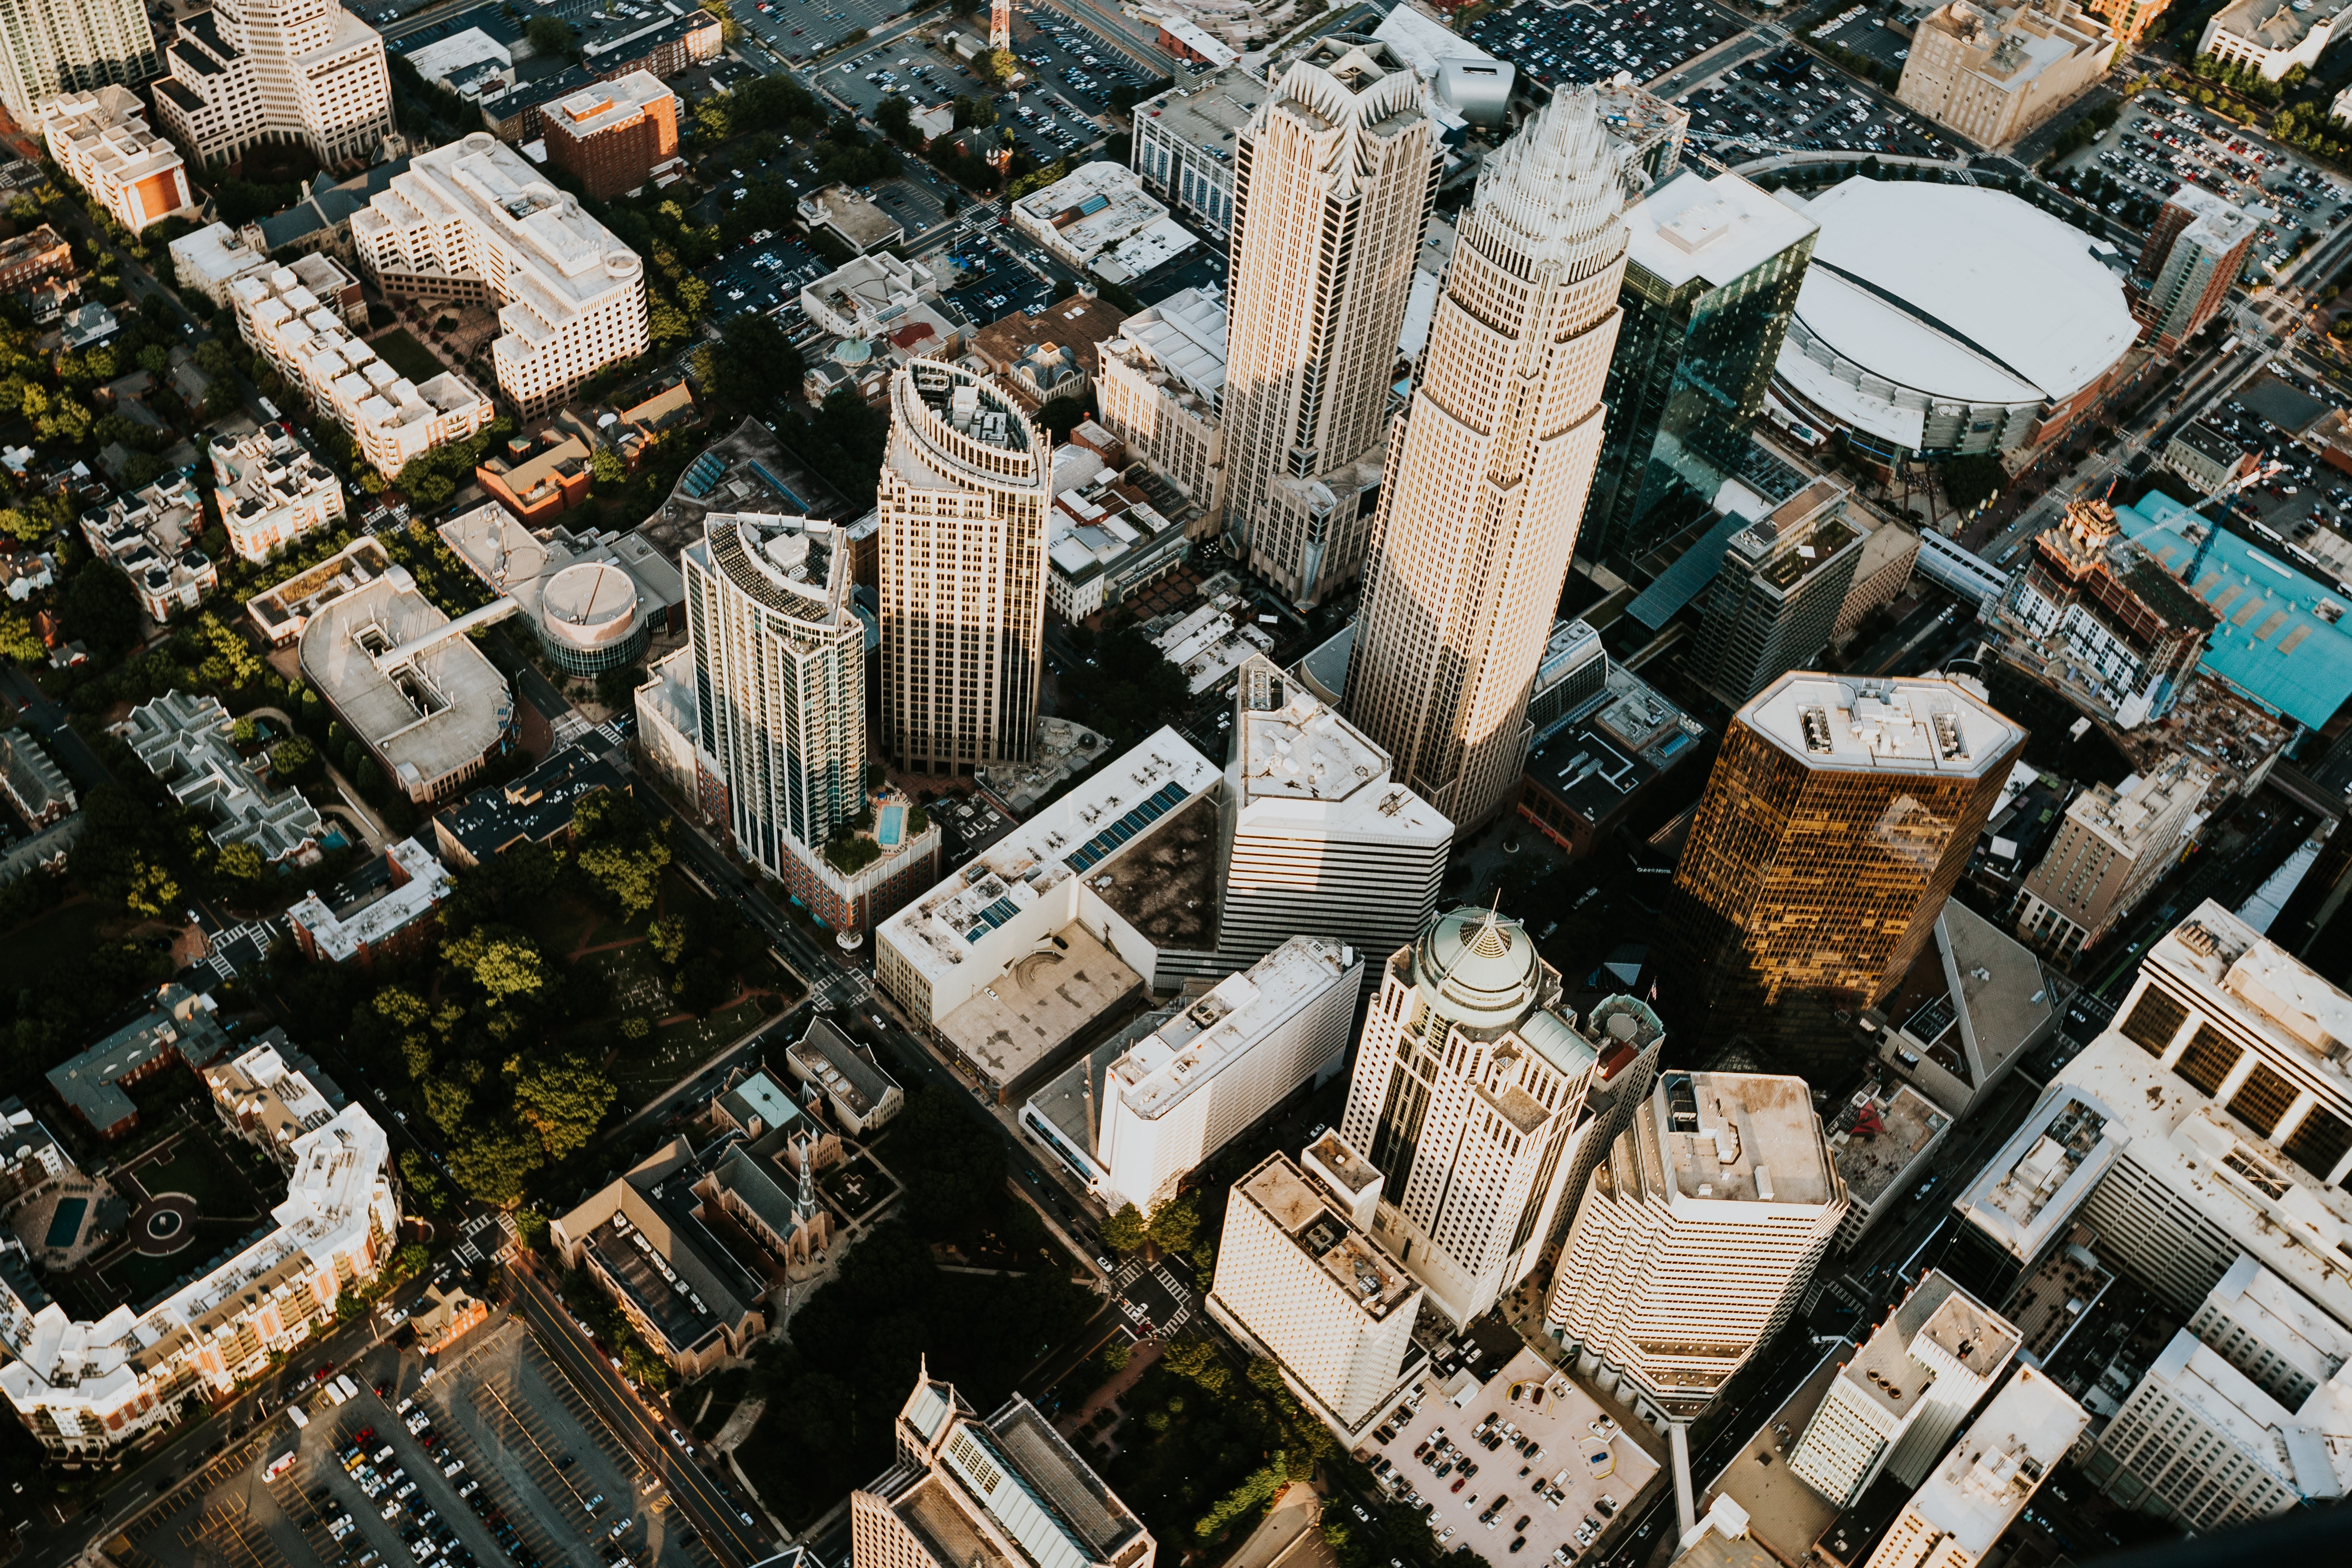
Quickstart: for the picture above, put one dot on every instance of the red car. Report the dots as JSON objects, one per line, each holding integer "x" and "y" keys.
{"x": 1457, "y": 1483}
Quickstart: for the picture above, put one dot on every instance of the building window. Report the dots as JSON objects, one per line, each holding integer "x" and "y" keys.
{"x": 2152, "y": 1024}
{"x": 2208, "y": 1060}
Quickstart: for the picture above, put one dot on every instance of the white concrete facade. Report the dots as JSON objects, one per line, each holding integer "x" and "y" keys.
{"x": 71, "y": 46}
{"x": 101, "y": 141}
{"x": 1985, "y": 1482}
{"x": 472, "y": 221}
{"x": 255, "y": 71}
{"x": 1160, "y": 385}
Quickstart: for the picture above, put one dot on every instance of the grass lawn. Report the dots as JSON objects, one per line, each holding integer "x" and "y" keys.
{"x": 40, "y": 948}
{"x": 401, "y": 351}
{"x": 648, "y": 1066}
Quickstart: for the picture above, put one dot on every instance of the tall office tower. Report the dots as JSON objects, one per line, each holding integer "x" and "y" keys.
{"x": 1712, "y": 271}
{"x": 1894, "y": 1407}
{"x": 2199, "y": 1446}
{"x": 1301, "y": 1278}
{"x": 2103, "y": 604}
{"x": 965, "y": 484}
{"x": 1333, "y": 180}
{"x": 2195, "y": 252}
{"x": 1483, "y": 480}
{"x": 475, "y": 221}
{"x": 1784, "y": 578}
{"x": 2211, "y": 1120}
{"x": 253, "y": 71}
{"x": 1208, "y": 1067}
{"x": 79, "y": 45}
{"x": 2117, "y": 840}
{"x": 2258, "y": 1323}
{"x": 1839, "y": 817}
{"x": 1005, "y": 1489}
{"x": 1694, "y": 1238}
{"x": 1469, "y": 1089}
{"x": 1987, "y": 1480}
{"x": 779, "y": 696}
{"x": 1317, "y": 837}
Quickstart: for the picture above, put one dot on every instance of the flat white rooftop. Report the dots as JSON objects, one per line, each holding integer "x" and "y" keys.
{"x": 2232, "y": 970}
{"x": 1296, "y": 761}
{"x": 1741, "y": 1137}
{"x": 1882, "y": 726}
{"x": 1085, "y": 829}
{"x": 1716, "y": 229}
{"x": 1961, "y": 292}
{"x": 1160, "y": 1071}
{"x": 2028, "y": 1189}
{"x": 1986, "y": 1480}
{"x": 1316, "y": 1223}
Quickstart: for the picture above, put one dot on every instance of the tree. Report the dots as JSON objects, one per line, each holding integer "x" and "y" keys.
{"x": 731, "y": 31}
{"x": 1061, "y": 415}
{"x": 1126, "y": 1230}
{"x": 213, "y": 357}
{"x": 293, "y": 760}
{"x": 1129, "y": 690}
{"x": 563, "y": 1101}
{"x": 505, "y": 964}
{"x": 552, "y": 36}
{"x": 492, "y": 1162}
{"x": 894, "y": 118}
{"x": 423, "y": 1182}
{"x": 100, "y": 608}
{"x": 608, "y": 466}
{"x": 1194, "y": 1357}
{"x": 620, "y": 850}
{"x": 242, "y": 862}
{"x": 20, "y": 641}
{"x": 993, "y": 65}
{"x": 1174, "y": 1224}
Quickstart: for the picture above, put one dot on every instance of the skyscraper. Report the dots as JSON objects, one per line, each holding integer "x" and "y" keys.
{"x": 1693, "y": 1238}
{"x": 965, "y": 484}
{"x": 1712, "y": 271}
{"x": 1333, "y": 180}
{"x": 1317, "y": 836}
{"x": 1992, "y": 1473}
{"x": 1005, "y": 1489}
{"x": 1838, "y": 818}
{"x": 1784, "y": 579}
{"x": 2115, "y": 842}
{"x": 779, "y": 709}
{"x": 250, "y": 71}
{"x": 1469, "y": 1089}
{"x": 1894, "y": 1407}
{"x": 1299, "y": 1275}
{"x": 73, "y": 45}
{"x": 1485, "y": 479}
{"x": 2195, "y": 252}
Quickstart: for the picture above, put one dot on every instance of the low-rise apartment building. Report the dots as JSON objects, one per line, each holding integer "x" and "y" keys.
{"x": 270, "y": 491}
{"x": 101, "y": 141}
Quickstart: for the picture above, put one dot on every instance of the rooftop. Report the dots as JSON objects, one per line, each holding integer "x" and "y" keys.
{"x": 1166, "y": 884}
{"x": 1736, "y": 1137}
{"x": 1208, "y": 113}
{"x": 179, "y": 1023}
{"x": 388, "y": 661}
{"x": 1319, "y": 1226}
{"x": 1711, "y": 230}
{"x": 2281, "y": 639}
{"x": 280, "y": 612}
{"x": 533, "y": 809}
{"x": 590, "y": 110}
{"x": 417, "y": 882}
{"x": 1162, "y": 1070}
{"x": 2316, "y": 1464}
{"x": 1022, "y": 1020}
{"x": 1626, "y": 735}
{"x": 2124, "y": 815}
{"x": 832, "y": 1059}
{"x": 1079, "y": 323}
{"x": 1984, "y": 1482}
{"x": 1296, "y": 761}
{"x": 1785, "y": 1514}
{"x": 188, "y": 744}
{"x": 2036, "y": 1180}
{"x": 1962, "y": 292}
{"x": 1883, "y": 1369}
{"x": 2234, "y": 971}
{"x": 1868, "y": 1163}
{"x": 1090, "y": 825}
{"x": 1182, "y": 339}
{"x": 1891, "y": 724}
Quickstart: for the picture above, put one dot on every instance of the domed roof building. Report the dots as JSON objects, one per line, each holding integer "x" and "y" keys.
{"x": 1469, "y": 1087}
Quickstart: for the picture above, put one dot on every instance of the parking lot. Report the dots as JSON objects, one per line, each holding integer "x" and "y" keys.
{"x": 799, "y": 31}
{"x": 1792, "y": 102}
{"x": 504, "y": 1465}
{"x": 1595, "y": 39}
{"x": 1527, "y": 1465}
{"x": 760, "y": 276}
{"x": 2160, "y": 143}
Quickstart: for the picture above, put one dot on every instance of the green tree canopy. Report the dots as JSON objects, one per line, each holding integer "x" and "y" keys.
{"x": 1125, "y": 1231}
{"x": 620, "y": 850}
{"x": 563, "y": 1102}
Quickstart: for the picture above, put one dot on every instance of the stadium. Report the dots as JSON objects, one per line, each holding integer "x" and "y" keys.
{"x": 1944, "y": 319}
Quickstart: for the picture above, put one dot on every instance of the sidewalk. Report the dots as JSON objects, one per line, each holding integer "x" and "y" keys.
{"x": 1296, "y": 1516}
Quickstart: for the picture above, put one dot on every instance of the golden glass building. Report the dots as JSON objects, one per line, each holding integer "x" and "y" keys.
{"x": 1839, "y": 817}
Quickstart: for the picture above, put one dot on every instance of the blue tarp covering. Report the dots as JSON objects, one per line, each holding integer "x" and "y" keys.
{"x": 2285, "y": 638}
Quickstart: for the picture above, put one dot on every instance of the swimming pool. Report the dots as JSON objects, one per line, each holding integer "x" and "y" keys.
{"x": 887, "y": 828}
{"x": 65, "y": 1225}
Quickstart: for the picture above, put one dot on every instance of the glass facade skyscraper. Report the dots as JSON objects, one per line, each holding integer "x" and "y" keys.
{"x": 1711, "y": 279}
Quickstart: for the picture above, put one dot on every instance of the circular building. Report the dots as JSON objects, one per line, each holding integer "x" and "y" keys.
{"x": 1942, "y": 320}
{"x": 588, "y": 618}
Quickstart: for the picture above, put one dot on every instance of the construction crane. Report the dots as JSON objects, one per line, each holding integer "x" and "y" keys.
{"x": 2214, "y": 525}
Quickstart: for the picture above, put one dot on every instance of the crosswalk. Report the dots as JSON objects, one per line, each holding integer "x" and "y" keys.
{"x": 611, "y": 731}
{"x": 256, "y": 933}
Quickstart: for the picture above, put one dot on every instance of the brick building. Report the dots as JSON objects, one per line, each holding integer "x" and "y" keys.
{"x": 609, "y": 137}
